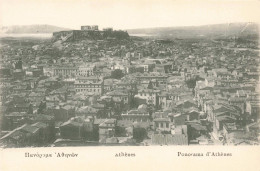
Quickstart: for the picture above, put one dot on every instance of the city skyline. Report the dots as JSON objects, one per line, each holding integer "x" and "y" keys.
{"x": 92, "y": 87}
{"x": 129, "y": 85}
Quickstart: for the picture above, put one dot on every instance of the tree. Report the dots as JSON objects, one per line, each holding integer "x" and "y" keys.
{"x": 150, "y": 85}
{"x": 30, "y": 110}
{"x": 191, "y": 83}
{"x": 150, "y": 109}
{"x": 42, "y": 107}
{"x": 19, "y": 64}
{"x": 117, "y": 74}
{"x": 139, "y": 134}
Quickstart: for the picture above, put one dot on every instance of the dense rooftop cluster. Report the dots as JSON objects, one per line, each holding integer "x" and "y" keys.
{"x": 129, "y": 92}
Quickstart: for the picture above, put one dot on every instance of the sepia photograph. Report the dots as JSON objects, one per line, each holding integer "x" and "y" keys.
{"x": 90, "y": 74}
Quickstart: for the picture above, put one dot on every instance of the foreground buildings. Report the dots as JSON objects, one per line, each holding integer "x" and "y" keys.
{"x": 91, "y": 87}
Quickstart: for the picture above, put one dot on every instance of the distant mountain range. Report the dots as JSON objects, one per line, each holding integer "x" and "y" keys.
{"x": 216, "y": 30}
{"x": 30, "y": 29}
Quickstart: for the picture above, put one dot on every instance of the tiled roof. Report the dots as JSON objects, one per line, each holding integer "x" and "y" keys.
{"x": 168, "y": 139}
{"x": 123, "y": 123}
{"x": 72, "y": 123}
{"x": 16, "y": 133}
{"x": 99, "y": 121}
{"x": 41, "y": 117}
{"x": 106, "y": 122}
{"x": 162, "y": 120}
{"x": 142, "y": 124}
{"x": 30, "y": 129}
{"x": 40, "y": 125}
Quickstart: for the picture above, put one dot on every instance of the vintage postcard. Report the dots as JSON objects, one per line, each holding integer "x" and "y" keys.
{"x": 129, "y": 85}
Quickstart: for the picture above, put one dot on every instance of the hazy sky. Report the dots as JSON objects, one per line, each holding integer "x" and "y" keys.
{"x": 125, "y": 14}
